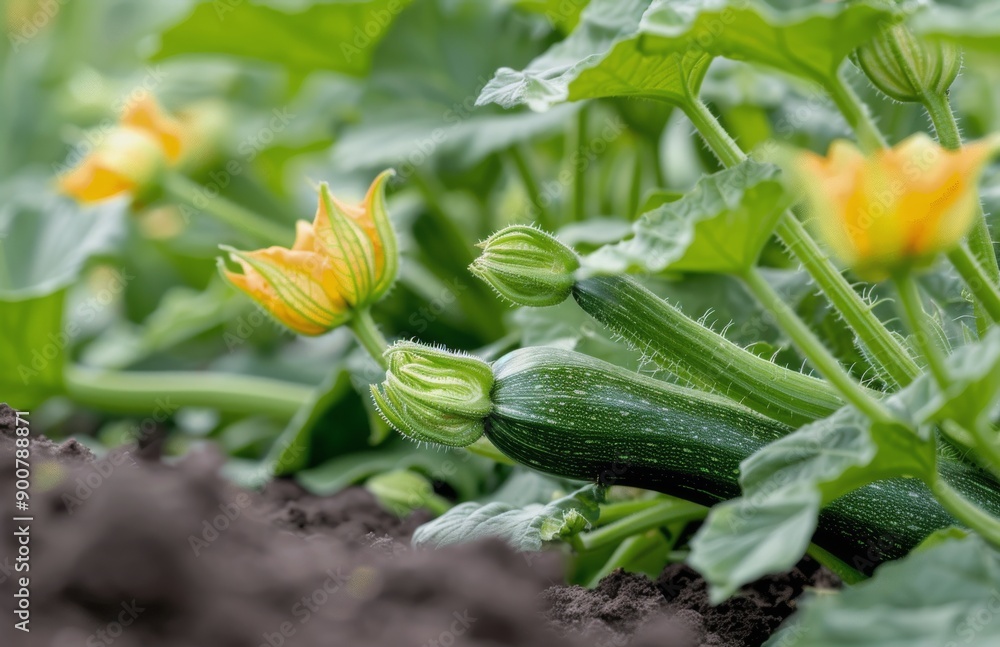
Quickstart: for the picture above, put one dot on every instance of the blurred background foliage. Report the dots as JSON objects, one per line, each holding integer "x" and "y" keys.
{"x": 289, "y": 93}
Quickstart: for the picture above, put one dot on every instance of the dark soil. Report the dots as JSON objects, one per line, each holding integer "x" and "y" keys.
{"x": 128, "y": 551}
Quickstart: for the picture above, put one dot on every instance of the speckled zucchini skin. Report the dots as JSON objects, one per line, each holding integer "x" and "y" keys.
{"x": 573, "y": 416}
{"x": 705, "y": 358}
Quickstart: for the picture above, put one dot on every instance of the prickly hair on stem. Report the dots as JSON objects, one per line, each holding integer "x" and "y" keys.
{"x": 434, "y": 395}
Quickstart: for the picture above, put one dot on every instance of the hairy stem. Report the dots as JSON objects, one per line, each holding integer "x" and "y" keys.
{"x": 813, "y": 349}
{"x": 883, "y": 347}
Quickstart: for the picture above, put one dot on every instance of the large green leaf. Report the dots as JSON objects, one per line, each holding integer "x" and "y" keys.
{"x": 973, "y": 395}
{"x": 976, "y": 26}
{"x": 601, "y": 58}
{"x": 562, "y": 13}
{"x": 525, "y": 528}
{"x": 809, "y": 39}
{"x": 942, "y": 596}
{"x": 335, "y": 35}
{"x": 785, "y": 485}
{"x": 662, "y": 49}
{"x": 418, "y": 111}
{"x": 720, "y": 226}
{"x": 44, "y": 243}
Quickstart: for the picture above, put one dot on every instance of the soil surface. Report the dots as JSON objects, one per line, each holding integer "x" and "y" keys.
{"x": 128, "y": 551}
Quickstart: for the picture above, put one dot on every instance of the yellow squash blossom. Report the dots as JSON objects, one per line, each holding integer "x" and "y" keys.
{"x": 345, "y": 260}
{"x": 125, "y": 161}
{"x": 130, "y": 157}
{"x": 898, "y": 206}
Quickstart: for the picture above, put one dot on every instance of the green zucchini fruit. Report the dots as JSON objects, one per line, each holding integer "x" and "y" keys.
{"x": 701, "y": 356}
{"x": 573, "y": 416}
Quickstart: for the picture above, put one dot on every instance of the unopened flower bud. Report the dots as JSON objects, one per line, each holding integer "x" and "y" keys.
{"x": 906, "y": 67}
{"x": 433, "y": 395}
{"x": 527, "y": 266}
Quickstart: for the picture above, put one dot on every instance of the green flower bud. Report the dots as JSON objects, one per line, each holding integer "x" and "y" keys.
{"x": 906, "y": 67}
{"x": 527, "y": 266}
{"x": 433, "y": 395}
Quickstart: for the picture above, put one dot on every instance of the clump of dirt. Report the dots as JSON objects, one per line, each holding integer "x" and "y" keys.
{"x": 126, "y": 550}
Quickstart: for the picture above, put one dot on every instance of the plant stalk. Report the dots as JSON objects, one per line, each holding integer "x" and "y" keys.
{"x": 531, "y": 187}
{"x": 137, "y": 392}
{"x": 966, "y": 512}
{"x": 368, "y": 335}
{"x": 662, "y": 514}
{"x": 813, "y": 349}
{"x": 883, "y": 347}
{"x": 261, "y": 229}
{"x": 916, "y": 318}
{"x": 980, "y": 242}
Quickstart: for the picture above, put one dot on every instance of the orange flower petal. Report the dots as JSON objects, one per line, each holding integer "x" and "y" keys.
{"x": 298, "y": 288}
{"x": 146, "y": 114}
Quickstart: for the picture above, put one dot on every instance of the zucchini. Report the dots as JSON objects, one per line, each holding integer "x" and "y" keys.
{"x": 532, "y": 268}
{"x": 573, "y": 416}
{"x": 701, "y": 356}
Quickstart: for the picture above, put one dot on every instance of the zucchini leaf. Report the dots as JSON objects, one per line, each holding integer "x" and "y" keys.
{"x": 720, "y": 226}
{"x": 975, "y": 390}
{"x": 417, "y": 111}
{"x": 810, "y": 40}
{"x": 944, "y": 595}
{"x": 974, "y": 25}
{"x": 662, "y": 49}
{"x": 786, "y": 483}
{"x": 526, "y": 528}
{"x": 45, "y": 241}
{"x": 601, "y": 58}
{"x": 338, "y": 35}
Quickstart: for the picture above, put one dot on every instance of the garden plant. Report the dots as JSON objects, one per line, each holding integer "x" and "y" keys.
{"x": 547, "y": 297}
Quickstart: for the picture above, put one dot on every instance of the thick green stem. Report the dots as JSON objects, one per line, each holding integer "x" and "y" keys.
{"x": 966, "y": 512}
{"x": 884, "y": 348}
{"x": 579, "y": 212}
{"x": 855, "y": 112}
{"x": 611, "y": 512}
{"x": 662, "y": 514}
{"x": 267, "y": 232}
{"x": 916, "y": 318}
{"x": 717, "y": 138}
{"x": 163, "y": 392}
{"x": 980, "y": 241}
{"x": 527, "y": 175}
{"x": 813, "y": 349}
{"x": 368, "y": 335}
{"x": 982, "y": 287}
{"x": 635, "y": 186}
